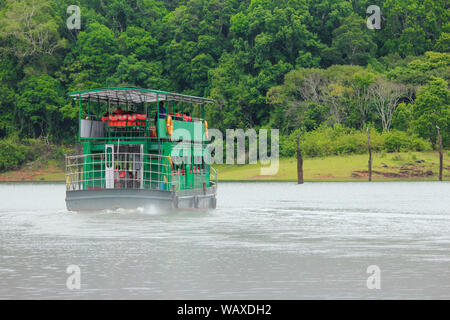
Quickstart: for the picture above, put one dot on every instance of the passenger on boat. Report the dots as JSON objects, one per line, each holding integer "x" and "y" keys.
{"x": 187, "y": 117}
{"x": 118, "y": 111}
{"x": 162, "y": 110}
{"x": 178, "y": 115}
{"x": 130, "y": 180}
{"x": 162, "y": 115}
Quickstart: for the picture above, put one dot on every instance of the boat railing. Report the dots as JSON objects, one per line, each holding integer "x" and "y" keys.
{"x": 120, "y": 170}
{"x": 126, "y": 170}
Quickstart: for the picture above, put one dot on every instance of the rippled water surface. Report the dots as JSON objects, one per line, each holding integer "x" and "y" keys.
{"x": 265, "y": 240}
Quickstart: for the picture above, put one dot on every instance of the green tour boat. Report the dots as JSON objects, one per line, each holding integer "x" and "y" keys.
{"x": 140, "y": 148}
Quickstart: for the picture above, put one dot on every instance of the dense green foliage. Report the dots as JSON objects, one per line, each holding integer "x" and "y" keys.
{"x": 287, "y": 64}
{"x": 14, "y": 152}
{"x": 338, "y": 140}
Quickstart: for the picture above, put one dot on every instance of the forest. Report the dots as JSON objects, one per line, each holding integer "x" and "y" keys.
{"x": 308, "y": 67}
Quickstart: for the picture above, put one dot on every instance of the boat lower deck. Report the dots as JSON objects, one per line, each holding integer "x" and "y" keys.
{"x": 102, "y": 199}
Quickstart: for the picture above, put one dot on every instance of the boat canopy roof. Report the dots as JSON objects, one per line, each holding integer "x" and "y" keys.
{"x": 135, "y": 95}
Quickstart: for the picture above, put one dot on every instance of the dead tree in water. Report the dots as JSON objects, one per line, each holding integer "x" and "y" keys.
{"x": 441, "y": 156}
{"x": 370, "y": 155}
{"x": 299, "y": 163}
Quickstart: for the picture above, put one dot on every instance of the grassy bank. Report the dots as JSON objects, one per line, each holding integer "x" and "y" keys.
{"x": 386, "y": 166}
{"x": 51, "y": 170}
{"x": 414, "y": 166}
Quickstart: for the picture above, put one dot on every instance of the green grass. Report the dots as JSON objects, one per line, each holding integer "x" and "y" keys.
{"x": 60, "y": 176}
{"x": 341, "y": 168}
{"x": 334, "y": 168}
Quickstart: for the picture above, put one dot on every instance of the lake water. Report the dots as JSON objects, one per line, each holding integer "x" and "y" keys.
{"x": 265, "y": 240}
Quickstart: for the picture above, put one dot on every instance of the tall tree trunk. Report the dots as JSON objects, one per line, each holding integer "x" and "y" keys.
{"x": 299, "y": 163}
{"x": 441, "y": 155}
{"x": 370, "y": 154}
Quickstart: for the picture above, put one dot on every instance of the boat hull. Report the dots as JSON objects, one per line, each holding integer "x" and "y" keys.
{"x": 103, "y": 199}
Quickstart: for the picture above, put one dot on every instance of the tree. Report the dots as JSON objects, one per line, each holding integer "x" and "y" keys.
{"x": 431, "y": 109}
{"x": 420, "y": 70}
{"x": 385, "y": 96}
{"x": 139, "y": 42}
{"x": 309, "y": 97}
{"x": 402, "y": 117}
{"x": 352, "y": 43}
{"x": 336, "y": 96}
{"x": 200, "y": 65}
{"x": 7, "y": 99}
{"x": 360, "y": 85}
{"x": 289, "y": 64}
{"x": 296, "y": 103}
{"x": 9, "y": 75}
{"x": 30, "y": 28}
{"x": 274, "y": 31}
{"x": 38, "y": 107}
{"x": 443, "y": 43}
{"x": 228, "y": 88}
{"x": 94, "y": 58}
{"x": 411, "y": 27}
{"x": 194, "y": 33}
{"x": 133, "y": 72}
{"x": 328, "y": 15}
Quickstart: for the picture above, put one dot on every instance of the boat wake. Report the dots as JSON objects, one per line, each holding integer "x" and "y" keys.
{"x": 147, "y": 210}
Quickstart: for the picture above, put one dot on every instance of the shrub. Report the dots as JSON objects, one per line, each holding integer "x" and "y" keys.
{"x": 60, "y": 152}
{"x": 338, "y": 140}
{"x": 396, "y": 141}
{"x": 36, "y": 148}
{"x": 288, "y": 145}
{"x": 12, "y": 154}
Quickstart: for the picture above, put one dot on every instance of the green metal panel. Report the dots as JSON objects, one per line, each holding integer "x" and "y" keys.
{"x": 196, "y": 129}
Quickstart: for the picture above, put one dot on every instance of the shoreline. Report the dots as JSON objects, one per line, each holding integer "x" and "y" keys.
{"x": 400, "y": 166}
{"x": 60, "y": 181}
{"x": 3, "y": 182}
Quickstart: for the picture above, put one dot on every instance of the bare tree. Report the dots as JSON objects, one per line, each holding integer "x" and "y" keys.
{"x": 386, "y": 96}
{"x": 305, "y": 89}
{"x": 310, "y": 88}
{"x": 30, "y": 27}
{"x": 334, "y": 95}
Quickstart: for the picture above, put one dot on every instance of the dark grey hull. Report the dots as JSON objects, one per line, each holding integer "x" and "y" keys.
{"x": 91, "y": 200}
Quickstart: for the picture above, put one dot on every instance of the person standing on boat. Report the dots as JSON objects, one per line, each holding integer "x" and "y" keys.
{"x": 162, "y": 110}
{"x": 162, "y": 115}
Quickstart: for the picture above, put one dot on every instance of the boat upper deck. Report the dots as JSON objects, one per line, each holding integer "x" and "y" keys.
{"x": 135, "y": 113}
{"x": 135, "y": 96}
